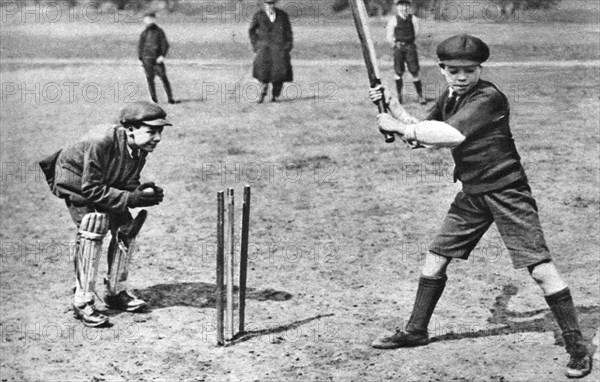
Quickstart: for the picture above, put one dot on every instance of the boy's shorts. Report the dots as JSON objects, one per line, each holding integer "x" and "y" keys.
{"x": 406, "y": 53}
{"x": 515, "y": 212}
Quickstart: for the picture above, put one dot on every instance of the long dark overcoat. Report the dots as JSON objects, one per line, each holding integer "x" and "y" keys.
{"x": 272, "y": 43}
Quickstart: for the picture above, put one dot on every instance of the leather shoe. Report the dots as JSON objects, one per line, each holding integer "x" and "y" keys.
{"x": 401, "y": 339}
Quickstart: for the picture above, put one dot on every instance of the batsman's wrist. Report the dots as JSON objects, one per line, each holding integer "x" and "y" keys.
{"x": 410, "y": 132}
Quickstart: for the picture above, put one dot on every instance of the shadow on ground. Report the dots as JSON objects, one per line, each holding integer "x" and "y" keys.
{"x": 191, "y": 100}
{"x": 521, "y": 323}
{"x": 250, "y": 334}
{"x": 202, "y": 295}
{"x": 199, "y": 295}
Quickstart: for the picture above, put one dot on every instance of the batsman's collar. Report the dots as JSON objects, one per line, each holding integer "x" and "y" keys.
{"x": 462, "y": 50}
{"x": 144, "y": 112}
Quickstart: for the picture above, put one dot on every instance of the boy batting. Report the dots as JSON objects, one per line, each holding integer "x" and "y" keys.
{"x": 99, "y": 180}
{"x": 472, "y": 117}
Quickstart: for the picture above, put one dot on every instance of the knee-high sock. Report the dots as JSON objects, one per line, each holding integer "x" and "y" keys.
{"x": 561, "y": 305}
{"x": 399, "y": 89}
{"x": 419, "y": 88}
{"x": 429, "y": 292}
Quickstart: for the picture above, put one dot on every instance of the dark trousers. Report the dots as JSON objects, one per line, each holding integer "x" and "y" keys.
{"x": 277, "y": 86}
{"x": 153, "y": 69}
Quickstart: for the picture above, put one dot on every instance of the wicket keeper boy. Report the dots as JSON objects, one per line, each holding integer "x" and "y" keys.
{"x": 472, "y": 118}
{"x": 99, "y": 180}
{"x": 402, "y": 30}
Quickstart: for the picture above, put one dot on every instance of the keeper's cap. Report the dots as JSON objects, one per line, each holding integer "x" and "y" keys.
{"x": 150, "y": 14}
{"x": 462, "y": 50}
{"x": 406, "y": 2}
{"x": 143, "y": 112}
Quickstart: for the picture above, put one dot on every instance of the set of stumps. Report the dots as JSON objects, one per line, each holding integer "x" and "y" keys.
{"x": 226, "y": 265}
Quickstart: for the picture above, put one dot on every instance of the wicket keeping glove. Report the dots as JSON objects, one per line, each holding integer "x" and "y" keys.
{"x": 140, "y": 197}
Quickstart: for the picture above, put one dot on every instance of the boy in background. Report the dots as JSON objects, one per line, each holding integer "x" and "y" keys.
{"x": 152, "y": 50}
{"x": 402, "y": 30}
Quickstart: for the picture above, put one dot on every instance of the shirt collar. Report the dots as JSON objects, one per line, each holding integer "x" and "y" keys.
{"x": 129, "y": 150}
{"x": 133, "y": 154}
{"x": 271, "y": 14}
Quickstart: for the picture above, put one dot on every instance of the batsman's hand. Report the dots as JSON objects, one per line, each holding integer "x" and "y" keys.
{"x": 160, "y": 59}
{"x": 377, "y": 93}
{"x": 394, "y": 107}
{"x": 146, "y": 195}
{"x": 388, "y": 124}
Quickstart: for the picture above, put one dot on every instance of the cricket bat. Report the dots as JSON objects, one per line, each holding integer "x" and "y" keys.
{"x": 361, "y": 21}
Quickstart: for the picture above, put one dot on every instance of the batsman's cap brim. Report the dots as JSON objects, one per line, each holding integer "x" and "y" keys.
{"x": 157, "y": 122}
{"x": 459, "y": 62}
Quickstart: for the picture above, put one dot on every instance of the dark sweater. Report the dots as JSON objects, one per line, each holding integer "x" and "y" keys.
{"x": 487, "y": 159}
{"x": 405, "y": 30}
{"x": 97, "y": 170}
{"x": 153, "y": 43}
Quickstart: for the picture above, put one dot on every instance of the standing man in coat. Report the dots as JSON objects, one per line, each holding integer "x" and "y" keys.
{"x": 271, "y": 38}
{"x": 152, "y": 50}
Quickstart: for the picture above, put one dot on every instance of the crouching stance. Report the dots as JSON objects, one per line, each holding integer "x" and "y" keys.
{"x": 99, "y": 180}
{"x": 472, "y": 118}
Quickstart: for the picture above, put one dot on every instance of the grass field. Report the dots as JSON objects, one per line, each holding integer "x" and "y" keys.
{"x": 339, "y": 218}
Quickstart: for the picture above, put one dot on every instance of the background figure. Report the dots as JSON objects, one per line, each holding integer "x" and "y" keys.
{"x": 152, "y": 50}
{"x": 402, "y": 30}
{"x": 271, "y": 39}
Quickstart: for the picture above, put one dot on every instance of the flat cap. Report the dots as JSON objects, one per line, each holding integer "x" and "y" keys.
{"x": 269, "y": 1}
{"x": 150, "y": 14}
{"x": 147, "y": 113}
{"x": 462, "y": 50}
{"x": 407, "y": 2}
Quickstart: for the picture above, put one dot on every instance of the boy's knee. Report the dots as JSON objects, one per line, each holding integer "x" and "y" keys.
{"x": 540, "y": 270}
{"x": 435, "y": 265}
{"x": 547, "y": 277}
